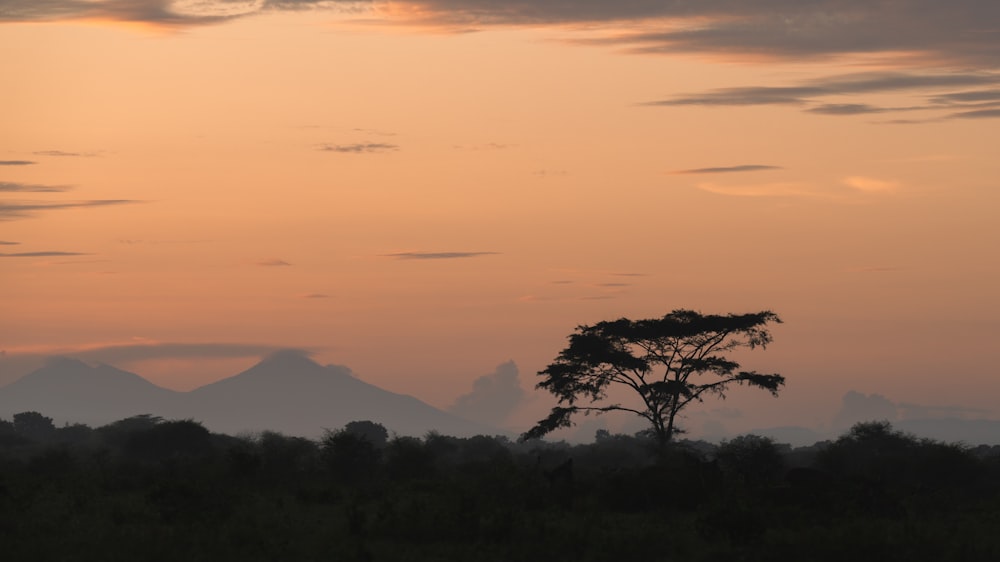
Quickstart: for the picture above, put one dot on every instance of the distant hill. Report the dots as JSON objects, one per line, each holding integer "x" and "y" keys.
{"x": 953, "y": 430}
{"x": 289, "y": 392}
{"x": 72, "y": 391}
{"x": 286, "y": 392}
{"x": 792, "y": 435}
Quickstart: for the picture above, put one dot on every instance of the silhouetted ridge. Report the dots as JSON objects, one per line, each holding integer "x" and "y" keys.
{"x": 74, "y": 391}
{"x": 291, "y": 393}
{"x": 287, "y": 392}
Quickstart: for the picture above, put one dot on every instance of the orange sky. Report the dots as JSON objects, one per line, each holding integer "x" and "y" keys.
{"x": 424, "y": 190}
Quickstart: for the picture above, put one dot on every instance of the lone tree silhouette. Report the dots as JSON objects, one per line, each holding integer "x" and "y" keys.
{"x": 662, "y": 359}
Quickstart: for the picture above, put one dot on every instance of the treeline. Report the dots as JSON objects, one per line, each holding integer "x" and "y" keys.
{"x": 144, "y": 488}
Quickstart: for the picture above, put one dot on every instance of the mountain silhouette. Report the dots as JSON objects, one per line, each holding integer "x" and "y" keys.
{"x": 73, "y": 391}
{"x": 286, "y": 392}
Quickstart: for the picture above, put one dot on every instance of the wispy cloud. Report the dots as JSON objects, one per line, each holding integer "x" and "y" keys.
{"x": 16, "y": 162}
{"x": 359, "y": 148}
{"x": 8, "y": 243}
{"x": 437, "y": 255}
{"x": 22, "y": 209}
{"x": 10, "y": 187}
{"x": 774, "y": 189}
{"x": 976, "y": 114}
{"x": 811, "y": 95}
{"x": 870, "y": 185}
{"x": 41, "y": 254}
{"x": 314, "y": 296}
{"x": 859, "y": 186}
{"x": 486, "y": 146}
{"x": 968, "y": 97}
{"x": 728, "y": 169}
{"x": 274, "y": 262}
{"x": 847, "y": 109}
{"x": 63, "y": 153}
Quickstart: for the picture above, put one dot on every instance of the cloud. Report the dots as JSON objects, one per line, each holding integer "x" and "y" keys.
{"x": 7, "y": 243}
{"x": 273, "y": 263}
{"x": 9, "y": 187}
{"x": 64, "y": 153}
{"x": 494, "y": 397}
{"x": 808, "y": 92}
{"x": 967, "y": 97}
{"x": 728, "y": 169}
{"x": 359, "y": 148}
{"x": 977, "y": 114}
{"x": 166, "y": 13}
{"x": 437, "y": 255}
{"x": 856, "y": 407}
{"x": 918, "y": 32}
{"x": 314, "y": 296}
{"x": 41, "y": 254}
{"x": 846, "y": 109}
{"x": 24, "y": 209}
{"x": 16, "y": 162}
{"x": 870, "y": 185}
{"x": 486, "y": 146}
{"x": 775, "y": 189}
{"x": 809, "y": 95}
{"x": 960, "y": 32}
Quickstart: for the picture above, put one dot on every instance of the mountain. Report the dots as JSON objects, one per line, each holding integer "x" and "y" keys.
{"x": 290, "y": 393}
{"x": 69, "y": 390}
{"x": 286, "y": 392}
{"x": 953, "y": 430}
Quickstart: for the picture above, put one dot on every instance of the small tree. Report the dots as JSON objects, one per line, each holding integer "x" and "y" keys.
{"x": 661, "y": 359}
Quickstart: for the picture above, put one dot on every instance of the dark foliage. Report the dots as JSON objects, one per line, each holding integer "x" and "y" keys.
{"x": 150, "y": 489}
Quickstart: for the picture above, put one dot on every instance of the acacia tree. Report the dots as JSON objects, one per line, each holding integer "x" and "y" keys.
{"x": 669, "y": 362}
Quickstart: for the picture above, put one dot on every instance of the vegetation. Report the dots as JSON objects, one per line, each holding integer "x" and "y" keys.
{"x": 150, "y": 489}
{"x": 661, "y": 360}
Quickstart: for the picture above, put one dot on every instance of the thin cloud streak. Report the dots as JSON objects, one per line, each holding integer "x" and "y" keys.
{"x": 809, "y": 95}
{"x": 978, "y": 114}
{"x": 11, "y": 187}
{"x": 273, "y": 263}
{"x": 840, "y": 85}
{"x": 16, "y": 162}
{"x": 437, "y": 255}
{"x": 23, "y": 209}
{"x": 870, "y": 185}
{"x": 63, "y": 153}
{"x": 359, "y": 148}
{"x": 777, "y": 189}
{"x": 728, "y": 169}
{"x": 41, "y": 254}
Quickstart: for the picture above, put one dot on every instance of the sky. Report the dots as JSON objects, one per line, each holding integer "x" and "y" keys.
{"x": 435, "y": 193}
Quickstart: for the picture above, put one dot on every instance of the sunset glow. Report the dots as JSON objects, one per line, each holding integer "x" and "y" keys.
{"x": 424, "y": 190}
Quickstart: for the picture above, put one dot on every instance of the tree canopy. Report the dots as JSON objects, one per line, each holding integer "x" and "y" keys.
{"x": 669, "y": 362}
